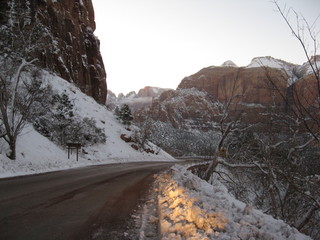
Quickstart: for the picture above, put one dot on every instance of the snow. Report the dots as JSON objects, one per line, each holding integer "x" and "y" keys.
{"x": 271, "y": 62}
{"x": 252, "y": 105}
{"x": 36, "y": 154}
{"x": 229, "y": 63}
{"x": 155, "y": 90}
{"x": 190, "y": 208}
{"x": 306, "y": 68}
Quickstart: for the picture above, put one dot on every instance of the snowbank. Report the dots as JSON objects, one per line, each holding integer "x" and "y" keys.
{"x": 190, "y": 208}
{"x": 36, "y": 154}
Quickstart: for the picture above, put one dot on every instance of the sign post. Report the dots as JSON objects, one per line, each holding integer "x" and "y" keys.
{"x": 71, "y": 146}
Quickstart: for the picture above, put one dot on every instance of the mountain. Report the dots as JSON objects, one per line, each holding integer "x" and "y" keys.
{"x": 191, "y": 105}
{"x": 191, "y": 111}
{"x": 306, "y": 69}
{"x": 70, "y": 48}
{"x": 222, "y": 82}
{"x": 184, "y": 108}
{"x": 228, "y": 63}
{"x": 272, "y": 63}
{"x": 184, "y": 121}
{"x": 151, "y": 91}
{"x": 136, "y": 101}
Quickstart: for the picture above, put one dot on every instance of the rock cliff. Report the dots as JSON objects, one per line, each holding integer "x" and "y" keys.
{"x": 71, "y": 51}
{"x": 247, "y": 85}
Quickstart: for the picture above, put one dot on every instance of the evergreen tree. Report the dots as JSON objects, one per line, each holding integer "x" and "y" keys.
{"x": 117, "y": 113}
{"x": 125, "y": 115}
{"x": 63, "y": 115}
{"x": 60, "y": 123}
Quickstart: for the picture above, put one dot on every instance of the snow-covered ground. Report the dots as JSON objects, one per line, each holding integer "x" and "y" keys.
{"x": 190, "y": 208}
{"x": 36, "y": 154}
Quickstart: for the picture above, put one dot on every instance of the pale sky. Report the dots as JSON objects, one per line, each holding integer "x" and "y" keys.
{"x": 159, "y": 42}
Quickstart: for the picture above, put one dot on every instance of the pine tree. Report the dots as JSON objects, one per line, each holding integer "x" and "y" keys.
{"x": 117, "y": 113}
{"x": 125, "y": 115}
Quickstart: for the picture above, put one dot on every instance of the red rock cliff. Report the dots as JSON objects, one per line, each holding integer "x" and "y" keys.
{"x": 192, "y": 105}
{"x": 73, "y": 51}
{"x": 250, "y": 85}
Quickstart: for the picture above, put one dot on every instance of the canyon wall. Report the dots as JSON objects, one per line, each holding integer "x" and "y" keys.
{"x": 71, "y": 49}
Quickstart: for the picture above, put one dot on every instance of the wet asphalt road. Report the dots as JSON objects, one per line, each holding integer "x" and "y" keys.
{"x": 73, "y": 204}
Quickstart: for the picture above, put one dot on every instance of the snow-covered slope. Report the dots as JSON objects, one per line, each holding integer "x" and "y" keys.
{"x": 190, "y": 208}
{"x": 306, "y": 68}
{"x": 271, "y": 62}
{"x": 36, "y": 153}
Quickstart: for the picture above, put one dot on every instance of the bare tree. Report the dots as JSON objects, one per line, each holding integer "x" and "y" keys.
{"x": 227, "y": 123}
{"x": 17, "y": 95}
{"x": 305, "y": 104}
{"x": 273, "y": 165}
{"x": 20, "y": 83}
{"x": 281, "y": 164}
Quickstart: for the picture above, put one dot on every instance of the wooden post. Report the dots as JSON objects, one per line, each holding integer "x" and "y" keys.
{"x": 77, "y": 153}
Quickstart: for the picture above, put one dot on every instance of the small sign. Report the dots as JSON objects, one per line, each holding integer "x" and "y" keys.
{"x": 72, "y": 146}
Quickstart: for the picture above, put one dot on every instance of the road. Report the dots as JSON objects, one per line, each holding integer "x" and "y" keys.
{"x": 84, "y": 203}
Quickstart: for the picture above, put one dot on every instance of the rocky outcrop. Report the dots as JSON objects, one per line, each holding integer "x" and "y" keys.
{"x": 71, "y": 50}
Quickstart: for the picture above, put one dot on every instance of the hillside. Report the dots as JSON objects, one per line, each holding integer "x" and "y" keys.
{"x": 36, "y": 154}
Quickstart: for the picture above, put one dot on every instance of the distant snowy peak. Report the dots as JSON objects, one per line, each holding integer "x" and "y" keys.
{"x": 146, "y": 92}
{"x": 135, "y": 100}
{"x": 128, "y": 96}
{"x": 315, "y": 59}
{"x": 293, "y": 70}
{"x": 288, "y": 68}
{"x": 306, "y": 69}
{"x": 131, "y": 94}
{"x": 228, "y": 63}
{"x": 270, "y": 62}
{"x": 151, "y": 91}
